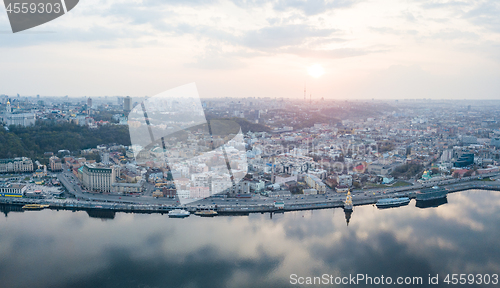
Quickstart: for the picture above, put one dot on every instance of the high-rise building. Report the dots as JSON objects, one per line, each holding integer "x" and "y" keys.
{"x": 55, "y": 163}
{"x": 465, "y": 159}
{"x": 89, "y": 103}
{"x": 98, "y": 178}
{"x": 495, "y": 142}
{"x": 127, "y": 104}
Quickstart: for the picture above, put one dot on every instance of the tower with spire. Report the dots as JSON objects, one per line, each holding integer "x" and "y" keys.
{"x": 8, "y": 110}
{"x": 348, "y": 207}
{"x": 348, "y": 201}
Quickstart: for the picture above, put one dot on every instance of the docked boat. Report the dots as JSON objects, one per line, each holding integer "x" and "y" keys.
{"x": 206, "y": 213}
{"x": 178, "y": 213}
{"x": 431, "y": 203}
{"x": 35, "y": 206}
{"x": 392, "y": 202}
{"x": 431, "y": 194}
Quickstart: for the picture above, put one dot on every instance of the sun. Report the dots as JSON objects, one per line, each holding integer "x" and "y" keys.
{"x": 316, "y": 70}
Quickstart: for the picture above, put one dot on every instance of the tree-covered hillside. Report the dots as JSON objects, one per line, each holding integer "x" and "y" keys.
{"x": 44, "y": 137}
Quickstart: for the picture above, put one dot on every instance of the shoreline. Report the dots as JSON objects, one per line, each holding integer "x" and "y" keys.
{"x": 243, "y": 209}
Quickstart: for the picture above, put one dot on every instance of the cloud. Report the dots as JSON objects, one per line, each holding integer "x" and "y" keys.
{"x": 307, "y": 7}
{"x": 409, "y": 16}
{"x": 312, "y": 7}
{"x": 331, "y": 54}
{"x": 215, "y": 58}
{"x": 381, "y": 255}
{"x": 453, "y": 34}
{"x": 124, "y": 269}
{"x": 390, "y": 30}
{"x": 272, "y": 37}
{"x": 480, "y": 13}
{"x": 485, "y": 15}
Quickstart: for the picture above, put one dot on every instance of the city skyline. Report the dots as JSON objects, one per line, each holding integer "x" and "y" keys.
{"x": 368, "y": 49}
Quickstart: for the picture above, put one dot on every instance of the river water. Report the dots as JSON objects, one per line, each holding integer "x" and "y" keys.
{"x": 71, "y": 249}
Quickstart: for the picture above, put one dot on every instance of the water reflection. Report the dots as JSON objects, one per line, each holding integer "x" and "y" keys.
{"x": 65, "y": 249}
{"x": 432, "y": 203}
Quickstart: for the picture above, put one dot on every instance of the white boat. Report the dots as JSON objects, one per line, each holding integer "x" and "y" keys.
{"x": 178, "y": 213}
{"x": 392, "y": 202}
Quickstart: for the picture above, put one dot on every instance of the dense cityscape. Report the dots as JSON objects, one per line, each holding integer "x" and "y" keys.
{"x": 288, "y": 149}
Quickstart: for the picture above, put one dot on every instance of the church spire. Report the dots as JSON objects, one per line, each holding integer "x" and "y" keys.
{"x": 8, "y": 109}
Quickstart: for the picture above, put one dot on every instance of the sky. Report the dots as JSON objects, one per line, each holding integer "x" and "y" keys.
{"x": 381, "y": 49}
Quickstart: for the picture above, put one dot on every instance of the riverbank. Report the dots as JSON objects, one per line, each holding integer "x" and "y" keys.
{"x": 326, "y": 201}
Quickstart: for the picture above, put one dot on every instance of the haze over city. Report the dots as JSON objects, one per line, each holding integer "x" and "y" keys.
{"x": 366, "y": 49}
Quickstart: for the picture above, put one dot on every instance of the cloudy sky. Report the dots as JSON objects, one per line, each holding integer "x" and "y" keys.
{"x": 382, "y": 49}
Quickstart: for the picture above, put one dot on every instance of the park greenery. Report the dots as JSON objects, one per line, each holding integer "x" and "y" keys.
{"x": 52, "y": 136}
{"x": 407, "y": 171}
{"x": 47, "y": 136}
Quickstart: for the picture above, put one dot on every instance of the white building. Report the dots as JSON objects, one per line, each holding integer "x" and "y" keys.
{"x": 20, "y": 164}
{"x": 315, "y": 183}
{"x": 126, "y": 188}
{"x": 55, "y": 163}
{"x": 98, "y": 178}
{"x": 23, "y": 119}
{"x": 12, "y": 190}
{"x": 344, "y": 180}
{"x": 310, "y": 191}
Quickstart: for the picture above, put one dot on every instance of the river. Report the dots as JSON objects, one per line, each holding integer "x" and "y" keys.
{"x": 70, "y": 249}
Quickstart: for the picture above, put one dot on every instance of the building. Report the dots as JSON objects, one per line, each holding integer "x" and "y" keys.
{"x": 342, "y": 189}
{"x": 468, "y": 140}
{"x": 105, "y": 158}
{"x": 344, "y": 180}
{"x": 279, "y": 193}
{"x": 16, "y": 165}
{"x": 242, "y": 187}
{"x": 55, "y": 163}
{"x": 199, "y": 192}
{"x": 283, "y": 178}
{"x": 257, "y": 186}
{"x": 23, "y": 119}
{"x": 315, "y": 183}
{"x": 379, "y": 169}
{"x": 464, "y": 160}
{"x": 98, "y": 178}
{"x": 447, "y": 155}
{"x": 309, "y": 192}
{"x": 495, "y": 142}
{"x": 126, "y": 188}
{"x": 12, "y": 190}
{"x": 169, "y": 192}
{"x": 127, "y": 104}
